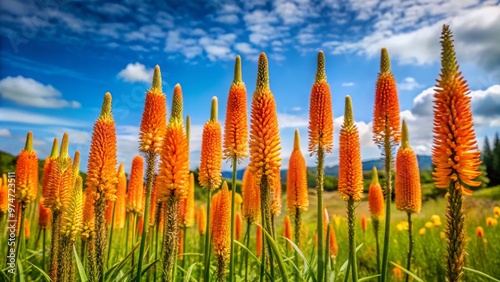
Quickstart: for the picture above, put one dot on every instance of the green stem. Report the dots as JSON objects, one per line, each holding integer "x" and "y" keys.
{"x": 54, "y": 247}
{"x": 43, "y": 247}
{"x": 376, "y": 228}
{"x": 265, "y": 199}
{"x": 455, "y": 233}
{"x": 319, "y": 188}
{"x": 388, "y": 195}
{"x": 134, "y": 228}
{"x": 150, "y": 174}
{"x": 410, "y": 245}
{"x": 351, "y": 218}
{"x": 327, "y": 252}
{"x": 170, "y": 237}
{"x": 127, "y": 231}
{"x": 156, "y": 244}
{"x": 21, "y": 238}
{"x": 110, "y": 243}
{"x": 100, "y": 235}
{"x": 233, "y": 192}
{"x": 207, "y": 238}
{"x": 184, "y": 237}
{"x": 246, "y": 241}
{"x": 298, "y": 222}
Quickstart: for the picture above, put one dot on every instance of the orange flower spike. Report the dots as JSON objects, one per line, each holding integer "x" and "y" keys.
{"x": 202, "y": 220}
{"x": 455, "y": 153}
{"x": 180, "y": 250}
{"x": 287, "y": 230}
{"x": 350, "y": 183}
{"x": 4, "y": 198}
{"x": 153, "y": 208}
{"x": 277, "y": 193}
{"x": 364, "y": 223}
{"x": 61, "y": 179}
{"x": 154, "y": 117}
{"x": 250, "y": 192}
{"x": 174, "y": 165}
{"x": 376, "y": 197}
{"x": 50, "y": 161}
{"x": 213, "y": 207}
{"x": 258, "y": 241}
{"x": 211, "y": 151}
{"x": 386, "y": 118}
{"x": 88, "y": 222}
{"x": 407, "y": 187}
{"x": 121, "y": 198}
{"x": 101, "y": 167}
{"x": 43, "y": 215}
{"x": 135, "y": 185}
{"x": 480, "y": 231}
{"x": 27, "y": 173}
{"x": 236, "y": 125}
{"x": 72, "y": 217}
{"x": 238, "y": 229}
{"x": 27, "y": 230}
{"x": 320, "y": 111}
{"x": 221, "y": 224}
{"x": 109, "y": 212}
{"x": 188, "y": 202}
{"x": 265, "y": 144}
{"x": 297, "y": 198}
{"x": 334, "y": 248}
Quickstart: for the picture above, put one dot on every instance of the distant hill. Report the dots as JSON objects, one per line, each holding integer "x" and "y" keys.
{"x": 424, "y": 163}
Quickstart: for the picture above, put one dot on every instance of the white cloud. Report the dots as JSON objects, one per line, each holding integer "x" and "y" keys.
{"x": 4, "y": 132}
{"x": 292, "y": 121}
{"x": 245, "y": 48}
{"x": 136, "y": 72}
{"x": 347, "y": 84}
{"x": 409, "y": 83}
{"x": 29, "y": 92}
{"x": 227, "y": 19}
{"x": 20, "y": 116}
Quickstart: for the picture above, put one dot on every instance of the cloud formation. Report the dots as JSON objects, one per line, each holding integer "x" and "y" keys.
{"x": 136, "y": 72}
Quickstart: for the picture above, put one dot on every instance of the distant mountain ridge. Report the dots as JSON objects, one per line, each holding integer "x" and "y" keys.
{"x": 424, "y": 163}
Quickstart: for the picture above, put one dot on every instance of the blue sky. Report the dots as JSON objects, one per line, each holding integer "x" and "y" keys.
{"x": 58, "y": 58}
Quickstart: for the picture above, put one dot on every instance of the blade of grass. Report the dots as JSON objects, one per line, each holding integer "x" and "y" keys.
{"x": 482, "y": 274}
{"x": 45, "y": 275}
{"x": 276, "y": 251}
{"x": 368, "y": 278}
{"x": 259, "y": 263}
{"x": 187, "y": 278}
{"x": 307, "y": 266}
{"x": 79, "y": 266}
{"x": 115, "y": 269}
{"x": 407, "y": 272}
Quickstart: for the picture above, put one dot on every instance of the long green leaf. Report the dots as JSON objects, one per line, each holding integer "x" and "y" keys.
{"x": 189, "y": 271}
{"x": 306, "y": 263}
{"x": 21, "y": 271}
{"x": 368, "y": 278}
{"x": 45, "y": 275}
{"x": 115, "y": 269}
{"x": 482, "y": 274}
{"x": 407, "y": 272}
{"x": 276, "y": 251}
{"x": 253, "y": 256}
{"x": 79, "y": 265}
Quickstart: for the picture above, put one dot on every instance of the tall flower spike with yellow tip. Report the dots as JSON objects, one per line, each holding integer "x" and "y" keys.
{"x": 350, "y": 176}
{"x": 407, "y": 181}
{"x": 376, "y": 205}
{"x": 27, "y": 173}
{"x": 101, "y": 176}
{"x": 320, "y": 141}
{"x": 235, "y": 126}
{"x": 50, "y": 161}
{"x": 135, "y": 185}
{"x": 221, "y": 233}
{"x": 455, "y": 154}
{"x": 386, "y": 133}
{"x": 211, "y": 151}
{"x": 173, "y": 179}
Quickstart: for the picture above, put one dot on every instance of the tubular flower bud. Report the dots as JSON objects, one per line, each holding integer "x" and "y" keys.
{"x": 211, "y": 151}
{"x": 480, "y": 231}
{"x": 238, "y": 229}
{"x": 202, "y": 220}
{"x": 101, "y": 168}
{"x": 276, "y": 202}
{"x": 88, "y": 222}
{"x": 455, "y": 152}
{"x": 296, "y": 186}
{"x": 287, "y": 230}
{"x": 258, "y": 241}
{"x": 43, "y": 215}
{"x": 236, "y": 127}
{"x": 180, "y": 250}
{"x": 121, "y": 198}
{"x": 214, "y": 202}
{"x": 320, "y": 111}
{"x": 186, "y": 206}
{"x": 364, "y": 223}
{"x": 61, "y": 179}
{"x": 251, "y": 197}
{"x": 265, "y": 144}
{"x": 376, "y": 197}
{"x": 154, "y": 117}
{"x": 27, "y": 173}
{"x": 350, "y": 167}
{"x": 27, "y": 230}
{"x": 386, "y": 113}
{"x": 135, "y": 185}
{"x": 50, "y": 161}
{"x": 4, "y": 191}
{"x": 109, "y": 212}
{"x": 71, "y": 225}
{"x": 221, "y": 231}
{"x": 174, "y": 165}
{"x": 407, "y": 186}
{"x": 334, "y": 248}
